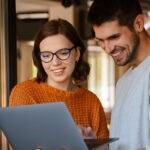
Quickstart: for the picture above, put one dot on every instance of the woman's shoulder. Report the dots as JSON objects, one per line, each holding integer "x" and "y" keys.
{"x": 87, "y": 91}
{"x": 26, "y": 84}
{"x": 90, "y": 94}
{"x": 23, "y": 93}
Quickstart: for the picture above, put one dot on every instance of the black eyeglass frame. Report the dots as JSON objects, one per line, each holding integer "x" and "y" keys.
{"x": 69, "y": 49}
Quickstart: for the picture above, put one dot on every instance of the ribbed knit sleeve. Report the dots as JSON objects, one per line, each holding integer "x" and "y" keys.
{"x": 98, "y": 118}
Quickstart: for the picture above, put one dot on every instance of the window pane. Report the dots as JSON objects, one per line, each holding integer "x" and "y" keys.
{"x": 101, "y": 79}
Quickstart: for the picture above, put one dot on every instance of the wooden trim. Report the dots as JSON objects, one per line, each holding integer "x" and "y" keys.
{"x": 2, "y": 65}
{"x": 8, "y": 59}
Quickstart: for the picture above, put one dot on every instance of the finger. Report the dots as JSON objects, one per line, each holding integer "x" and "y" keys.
{"x": 91, "y": 133}
{"x": 64, "y": 148}
{"x": 80, "y": 129}
{"x": 84, "y": 132}
{"x": 89, "y": 129}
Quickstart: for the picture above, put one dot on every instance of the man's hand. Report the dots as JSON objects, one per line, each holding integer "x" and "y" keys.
{"x": 86, "y": 133}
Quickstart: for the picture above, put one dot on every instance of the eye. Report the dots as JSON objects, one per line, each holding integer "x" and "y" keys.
{"x": 115, "y": 36}
{"x": 46, "y": 55}
{"x": 63, "y": 52}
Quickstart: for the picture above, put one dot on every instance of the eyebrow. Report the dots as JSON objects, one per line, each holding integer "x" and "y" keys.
{"x": 58, "y": 49}
{"x": 109, "y": 37}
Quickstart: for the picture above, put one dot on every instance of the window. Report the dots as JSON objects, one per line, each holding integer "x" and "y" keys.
{"x": 102, "y": 76}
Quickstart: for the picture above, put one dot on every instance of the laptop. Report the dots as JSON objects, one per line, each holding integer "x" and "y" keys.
{"x": 48, "y": 126}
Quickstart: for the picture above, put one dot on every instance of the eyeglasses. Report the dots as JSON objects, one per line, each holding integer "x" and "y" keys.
{"x": 61, "y": 54}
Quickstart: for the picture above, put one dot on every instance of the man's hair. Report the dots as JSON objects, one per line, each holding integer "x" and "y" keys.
{"x": 54, "y": 27}
{"x": 125, "y": 11}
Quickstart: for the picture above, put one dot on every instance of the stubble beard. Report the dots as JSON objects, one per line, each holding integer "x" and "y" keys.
{"x": 131, "y": 55}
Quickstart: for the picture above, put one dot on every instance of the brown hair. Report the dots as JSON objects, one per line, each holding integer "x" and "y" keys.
{"x": 125, "y": 11}
{"x": 60, "y": 26}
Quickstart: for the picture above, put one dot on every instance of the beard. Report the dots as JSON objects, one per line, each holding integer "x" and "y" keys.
{"x": 132, "y": 52}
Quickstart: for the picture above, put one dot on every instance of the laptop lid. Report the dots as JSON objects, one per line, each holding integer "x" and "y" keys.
{"x": 49, "y": 126}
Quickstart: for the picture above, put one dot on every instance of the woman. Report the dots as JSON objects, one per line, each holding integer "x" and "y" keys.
{"x": 58, "y": 56}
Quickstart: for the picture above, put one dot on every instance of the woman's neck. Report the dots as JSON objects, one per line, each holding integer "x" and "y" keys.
{"x": 65, "y": 86}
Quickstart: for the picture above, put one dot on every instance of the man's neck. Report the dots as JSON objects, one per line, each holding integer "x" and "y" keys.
{"x": 143, "y": 50}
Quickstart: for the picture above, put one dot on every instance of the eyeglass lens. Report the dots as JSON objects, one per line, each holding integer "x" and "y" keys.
{"x": 61, "y": 54}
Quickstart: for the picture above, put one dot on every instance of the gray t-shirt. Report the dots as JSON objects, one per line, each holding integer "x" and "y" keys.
{"x": 131, "y": 115}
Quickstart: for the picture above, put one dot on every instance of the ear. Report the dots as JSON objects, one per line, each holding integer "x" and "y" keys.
{"x": 78, "y": 53}
{"x": 139, "y": 23}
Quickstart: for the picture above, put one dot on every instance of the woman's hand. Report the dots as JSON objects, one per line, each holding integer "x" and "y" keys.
{"x": 86, "y": 133}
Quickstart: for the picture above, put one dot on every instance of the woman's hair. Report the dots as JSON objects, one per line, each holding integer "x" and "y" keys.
{"x": 54, "y": 27}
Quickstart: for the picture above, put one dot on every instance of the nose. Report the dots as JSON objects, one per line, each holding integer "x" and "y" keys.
{"x": 107, "y": 46}
{"x": 55, "y": 60}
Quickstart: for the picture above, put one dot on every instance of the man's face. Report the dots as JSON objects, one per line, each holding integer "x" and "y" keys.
{"x": 117, "y": 41}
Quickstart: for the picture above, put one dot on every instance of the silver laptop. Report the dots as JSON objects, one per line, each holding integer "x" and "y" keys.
{"x": 48, "y": 126}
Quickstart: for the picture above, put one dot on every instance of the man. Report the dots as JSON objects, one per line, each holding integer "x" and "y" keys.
{"x": 119, "y": 27}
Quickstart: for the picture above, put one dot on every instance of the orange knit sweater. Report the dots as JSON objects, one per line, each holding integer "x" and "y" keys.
{"x": 83, "y": 105}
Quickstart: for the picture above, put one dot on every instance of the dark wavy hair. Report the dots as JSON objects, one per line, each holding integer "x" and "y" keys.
{"x": 125, "y": 11}
{"x": 54, "y": 27}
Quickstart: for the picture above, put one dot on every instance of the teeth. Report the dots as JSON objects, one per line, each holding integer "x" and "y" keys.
{"x": 116, "y": 54}
{"x": 59, "y": 70}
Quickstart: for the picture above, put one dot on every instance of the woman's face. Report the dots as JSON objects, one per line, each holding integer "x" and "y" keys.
{"x": 57, "y": 70}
